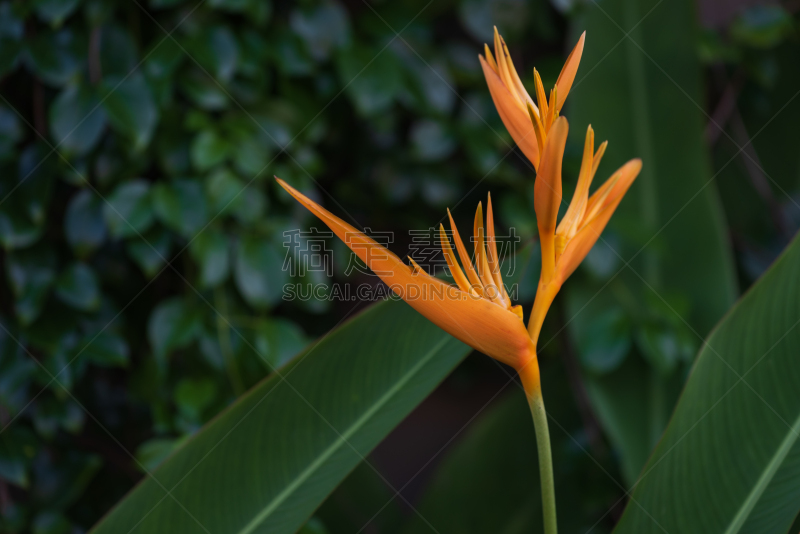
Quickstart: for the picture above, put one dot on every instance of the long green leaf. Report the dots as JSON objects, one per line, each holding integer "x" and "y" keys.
{"x": 729, "y": 461}
{"x": 267, "y": 462}
{"x": 639, "y": 87}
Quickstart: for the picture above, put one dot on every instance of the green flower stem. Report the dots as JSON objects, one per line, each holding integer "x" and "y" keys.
{"x": 536, "y": 403}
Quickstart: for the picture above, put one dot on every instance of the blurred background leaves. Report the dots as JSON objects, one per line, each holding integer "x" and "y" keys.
{"x": 143, "y": 241}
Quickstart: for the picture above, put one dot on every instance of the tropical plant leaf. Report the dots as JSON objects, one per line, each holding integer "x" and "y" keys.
{"x": 640, "y": 88}
{"x": 267, "y": 462}
{"x": 729, "y": 460}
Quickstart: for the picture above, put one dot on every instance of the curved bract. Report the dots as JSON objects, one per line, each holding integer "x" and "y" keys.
{"x": 513, "y": 102}
{"x": 566, "y": 244}
{"x": 477, "y": 313}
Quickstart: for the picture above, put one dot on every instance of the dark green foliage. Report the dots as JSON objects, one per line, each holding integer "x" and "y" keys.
{"x": 143, "y": 239}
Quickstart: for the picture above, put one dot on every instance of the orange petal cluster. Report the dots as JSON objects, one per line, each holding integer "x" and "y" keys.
{"x": 564, "y": 246}
{"x": 514, "y": 104}
{"x": 476, "y": 310}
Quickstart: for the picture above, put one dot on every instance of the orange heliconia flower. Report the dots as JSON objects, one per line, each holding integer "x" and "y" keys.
{"x": 515, "y": 105}
{"x": 565, "y": 246}
{"x": 477, "y": 310}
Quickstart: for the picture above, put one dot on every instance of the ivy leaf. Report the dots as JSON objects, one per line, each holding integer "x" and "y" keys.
{"x": 150, "y": 251}
{"x": 106, "y": 350}
{"x": 209, "y": 149}
{"x": 11, "y": 131}
{"x": 31, "y": 273}
{"x": 217, "y": 51}
{"x": 194, "y": 395}
{"x": 223, "y": 189}
{"x": 37, "y": 174}
{"x": 605, "y": 342}
{"x": 259, "y": 273}
{"x": 173, "y": 325}
{"x": 210, "y": 250}
{"x": 76, "y": 120}
{"x": 17, "y": 231}
{"x": 130, "y": 107}
{"x": 249, "y": 207}
{"x": 118, "y": 54}
{"x": 128, "y": 211}
{"x": 84, "y": 225}
{"x": 323, "y": 30}
{"x": 181, "y": 206}
{"x": 371, "y": 85}
{"x": 53, "y": 56}
{"x": 54, "y": 12}
{"x": 204, "y": 92}
{"x": 13, "y": 461}
{"x": 77, "y": 286}
{"x": 278, "y": 340}
{"x": 12, "y": 28}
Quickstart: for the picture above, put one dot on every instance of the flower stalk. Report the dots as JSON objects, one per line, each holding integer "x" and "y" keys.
{"x": 533, "y": 391}
{"x": 547, "y": 481}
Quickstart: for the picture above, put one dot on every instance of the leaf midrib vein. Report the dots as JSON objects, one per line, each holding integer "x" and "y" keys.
{"x": 766, "y": 477}
{"x": 343, "y": 437}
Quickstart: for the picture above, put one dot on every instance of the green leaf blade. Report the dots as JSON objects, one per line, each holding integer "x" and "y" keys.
{"x": 739, "y": 402}
{"x": 266, "y": 463}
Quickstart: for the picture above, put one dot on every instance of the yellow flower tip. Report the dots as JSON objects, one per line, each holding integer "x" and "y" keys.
{"x": 598, "y": 156}
{"x": 493, "y": 258}
{"x": 538, "y": 131}
{"x": 552, "y": 112}
{"x": 541, "y": 99}
{"x": 291, "y": 190}
{"x": 518, "y": 310}
{"x": 489, "y": 58}
{"x": 570, "y": 69}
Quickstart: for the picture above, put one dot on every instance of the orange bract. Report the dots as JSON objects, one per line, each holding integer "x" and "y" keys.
{"x": 515, "y": 105}
{"x": 565, "y": 246}
{"x": 477, "y": 310}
